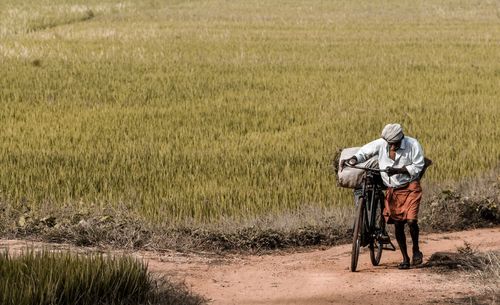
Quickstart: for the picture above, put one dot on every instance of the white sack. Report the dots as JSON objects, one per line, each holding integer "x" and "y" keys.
{"x": 351, "y": 177}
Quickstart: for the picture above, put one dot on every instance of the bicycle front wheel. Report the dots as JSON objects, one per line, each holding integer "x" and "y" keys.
{"x": 376, "y": 245}
{"x": 357, "y": 235}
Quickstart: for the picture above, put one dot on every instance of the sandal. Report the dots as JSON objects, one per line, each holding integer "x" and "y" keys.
{"x": 404, "y": 266}
{"x": 417, "y": 258}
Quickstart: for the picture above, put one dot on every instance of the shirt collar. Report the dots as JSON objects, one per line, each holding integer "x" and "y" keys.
{"x": 403, "y": 143}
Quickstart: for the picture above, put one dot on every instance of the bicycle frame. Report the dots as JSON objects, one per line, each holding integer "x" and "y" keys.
{"x": 368, "y": 229}
{"x": 371, "y": 197}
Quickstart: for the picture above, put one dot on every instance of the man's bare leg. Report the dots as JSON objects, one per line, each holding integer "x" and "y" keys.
{"x": 414, "y": 232}
{"x": 401, "y": 238}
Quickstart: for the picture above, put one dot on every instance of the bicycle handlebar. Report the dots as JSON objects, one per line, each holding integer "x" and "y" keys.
{"x": 376, "y": 170}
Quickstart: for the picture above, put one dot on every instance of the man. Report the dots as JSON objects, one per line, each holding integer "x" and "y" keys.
{"x": 403, "y": 158}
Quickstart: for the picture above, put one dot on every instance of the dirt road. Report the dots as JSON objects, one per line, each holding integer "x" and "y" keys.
{"x": 322, "y": 276}
{"x": 319, "y": 276}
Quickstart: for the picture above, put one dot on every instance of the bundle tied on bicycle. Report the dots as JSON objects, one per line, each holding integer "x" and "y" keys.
{"x": 350, "y": 177}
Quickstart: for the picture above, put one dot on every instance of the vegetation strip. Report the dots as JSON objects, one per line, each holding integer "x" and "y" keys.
{"x": 472, "y": 204}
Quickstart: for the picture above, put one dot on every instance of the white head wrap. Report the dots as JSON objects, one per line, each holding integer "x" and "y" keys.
{"x": 392, "y": 133}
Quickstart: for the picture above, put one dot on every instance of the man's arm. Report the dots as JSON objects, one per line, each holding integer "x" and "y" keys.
{"x": 417, "y": 162}
{"x": 368, "y": 150}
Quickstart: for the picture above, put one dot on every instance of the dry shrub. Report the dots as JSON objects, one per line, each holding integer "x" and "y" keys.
{"x": 473, "y": 203}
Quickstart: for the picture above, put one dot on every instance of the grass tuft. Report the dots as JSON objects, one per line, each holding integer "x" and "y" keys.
{"x": 57, "y": 278}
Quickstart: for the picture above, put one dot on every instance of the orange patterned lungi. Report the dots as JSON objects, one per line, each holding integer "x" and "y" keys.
{"x": 402, "y": 203}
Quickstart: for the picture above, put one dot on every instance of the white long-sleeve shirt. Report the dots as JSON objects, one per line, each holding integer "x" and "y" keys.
{"x": 409, "y": 155}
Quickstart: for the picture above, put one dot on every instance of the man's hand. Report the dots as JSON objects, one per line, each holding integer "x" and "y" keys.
{"x": 352, "y": 161}
{"x": 394, "y": 171}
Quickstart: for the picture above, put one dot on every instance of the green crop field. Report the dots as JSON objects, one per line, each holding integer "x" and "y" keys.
{"x": 212, "y": 109}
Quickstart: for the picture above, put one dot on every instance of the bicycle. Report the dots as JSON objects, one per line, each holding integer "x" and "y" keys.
{"x": 369, "y": 224}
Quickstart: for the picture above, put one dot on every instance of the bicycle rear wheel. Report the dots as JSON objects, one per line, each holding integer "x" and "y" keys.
{"x": 376, "y": 248}
{"x": 357, "y": 235}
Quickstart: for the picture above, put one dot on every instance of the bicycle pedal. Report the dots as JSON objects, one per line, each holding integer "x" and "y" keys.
{"x": 389, "y": 246}
{"x": 385, "y": 239}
